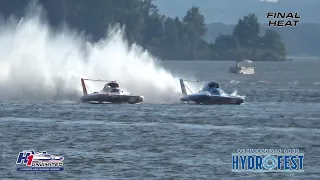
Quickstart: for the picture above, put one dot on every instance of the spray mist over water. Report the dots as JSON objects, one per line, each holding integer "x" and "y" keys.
{"x": 37, "y": 64}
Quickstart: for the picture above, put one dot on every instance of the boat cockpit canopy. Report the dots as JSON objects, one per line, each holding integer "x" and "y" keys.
{"x": 111, "y": 87}
{"x": 112, "y": 84}
{"x": 115, "y": 90}
{"x": 216, "y": 91}
{"x": 211, "y": 86}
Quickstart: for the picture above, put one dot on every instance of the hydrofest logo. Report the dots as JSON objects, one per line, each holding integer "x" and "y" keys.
{"x": 267, "y": 160}
{"x": 283, "y": 19}
{"x": 40, "y": 161}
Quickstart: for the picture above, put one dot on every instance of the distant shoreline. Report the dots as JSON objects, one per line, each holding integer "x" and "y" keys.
{"x": 286, "y": 59}
{"x": 302, "y": 57}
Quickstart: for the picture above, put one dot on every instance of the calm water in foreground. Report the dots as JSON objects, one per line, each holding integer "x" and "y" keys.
{"x": 173, "y": 141}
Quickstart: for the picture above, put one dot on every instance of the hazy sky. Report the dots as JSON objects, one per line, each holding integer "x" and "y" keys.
{"x": 229, "y": 11}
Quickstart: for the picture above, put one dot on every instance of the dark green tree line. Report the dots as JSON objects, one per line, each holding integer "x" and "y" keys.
{"x": 166, "y": 37}
{"x": 246, "y": 42}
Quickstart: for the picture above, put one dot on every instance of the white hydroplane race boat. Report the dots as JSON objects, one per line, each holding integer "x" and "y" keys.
{"x": 111, "y": 93}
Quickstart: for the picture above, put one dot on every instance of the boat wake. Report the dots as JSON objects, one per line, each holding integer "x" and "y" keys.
{"x": 37, "y": 64}
{"x": 235, "y": 94}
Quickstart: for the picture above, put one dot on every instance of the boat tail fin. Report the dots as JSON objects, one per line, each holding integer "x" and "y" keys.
{"x": 84, "y": 89}
{"x": 183, "y": 87}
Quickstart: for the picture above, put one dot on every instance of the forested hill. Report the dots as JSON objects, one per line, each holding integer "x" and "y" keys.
{"x": 303, "y": 40}
{"x": 168, "y": 38}
{"x": 227, "y": 11}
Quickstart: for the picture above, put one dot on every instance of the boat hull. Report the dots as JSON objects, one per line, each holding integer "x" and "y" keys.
{"x": 241, "y": 70}
{"x": 107, "y": 98}
{"x": 209, "y": 99}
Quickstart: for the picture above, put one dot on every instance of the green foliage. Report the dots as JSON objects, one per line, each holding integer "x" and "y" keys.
{"x": 247, "y": 43}
{"x": 303, "y": 40}
{"x": 247, "y": 30}
{"x": 168, "y": 38}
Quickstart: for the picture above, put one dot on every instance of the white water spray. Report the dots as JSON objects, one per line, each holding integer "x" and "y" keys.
{"x": 37, "y": 64}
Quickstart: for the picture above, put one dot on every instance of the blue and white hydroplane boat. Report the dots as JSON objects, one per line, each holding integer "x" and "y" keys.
{"x": 211, "y": 93}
